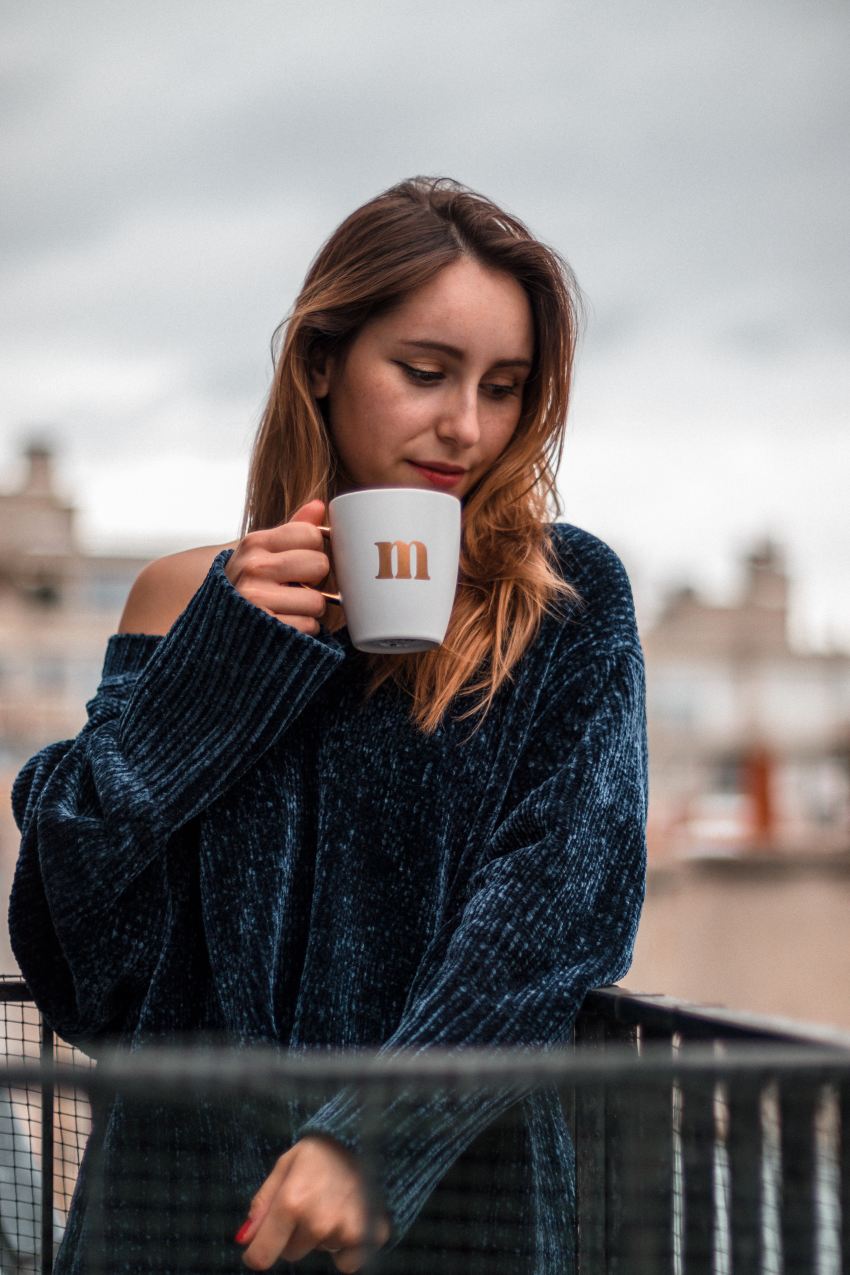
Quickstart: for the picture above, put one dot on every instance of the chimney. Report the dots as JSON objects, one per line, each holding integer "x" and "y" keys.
{"x": 39, "y": 475}
{"x": 766, "y": 583}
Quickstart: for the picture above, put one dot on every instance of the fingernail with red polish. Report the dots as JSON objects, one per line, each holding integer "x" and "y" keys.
{"x": 242, "y": 1234}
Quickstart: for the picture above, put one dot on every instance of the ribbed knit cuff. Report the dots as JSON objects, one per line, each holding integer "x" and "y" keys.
{"x": 127, "y": 654}
{"x": 221, "y": 687}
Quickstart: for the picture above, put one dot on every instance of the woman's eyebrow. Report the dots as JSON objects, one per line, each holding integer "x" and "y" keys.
{"x": 455, "y": 353}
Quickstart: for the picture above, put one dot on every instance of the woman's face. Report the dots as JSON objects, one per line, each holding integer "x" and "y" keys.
{"x": 429, "y": 394}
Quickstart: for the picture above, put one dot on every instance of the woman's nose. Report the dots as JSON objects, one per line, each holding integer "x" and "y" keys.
{"x": 460, "y": 423}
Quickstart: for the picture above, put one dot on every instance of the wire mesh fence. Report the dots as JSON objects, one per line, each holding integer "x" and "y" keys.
{"x": 43, "y": 1133}
{"x": 720, "y": 1156}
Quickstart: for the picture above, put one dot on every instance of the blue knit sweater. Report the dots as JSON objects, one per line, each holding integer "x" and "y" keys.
{"x": 240, "y": 843}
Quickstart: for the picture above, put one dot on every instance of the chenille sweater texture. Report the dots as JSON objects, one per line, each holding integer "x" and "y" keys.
{"x": 241, "y": 845}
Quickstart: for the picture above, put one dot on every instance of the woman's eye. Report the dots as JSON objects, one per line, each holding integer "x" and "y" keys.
{"x": 424, "y": 376}
{"x": 419, "y": 374}
{"x": 501, "y": 391}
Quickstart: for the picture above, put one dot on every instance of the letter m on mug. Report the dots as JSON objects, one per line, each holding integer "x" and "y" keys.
{"x": 403, "y": 550}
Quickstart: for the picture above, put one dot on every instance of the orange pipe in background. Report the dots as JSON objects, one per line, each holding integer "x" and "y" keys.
{"x": 758, "y": 767}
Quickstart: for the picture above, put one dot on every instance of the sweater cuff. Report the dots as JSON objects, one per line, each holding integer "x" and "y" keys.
{"x": 127, "y": 654}
{"x": 220, "y": 688}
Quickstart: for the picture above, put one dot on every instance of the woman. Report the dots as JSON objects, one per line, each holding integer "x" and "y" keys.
{"x": 264, "y": 834}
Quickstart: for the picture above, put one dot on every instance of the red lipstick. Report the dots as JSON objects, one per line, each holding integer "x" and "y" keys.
{"x": 440, "y": 475}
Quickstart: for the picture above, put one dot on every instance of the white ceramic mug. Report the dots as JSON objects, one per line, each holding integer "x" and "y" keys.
{"x": 395, "y": 553}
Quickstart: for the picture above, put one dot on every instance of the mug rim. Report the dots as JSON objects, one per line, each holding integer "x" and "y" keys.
{"x": 395, "y": 491}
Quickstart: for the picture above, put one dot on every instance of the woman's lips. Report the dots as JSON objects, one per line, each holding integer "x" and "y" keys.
{"x": 437, "y": 477}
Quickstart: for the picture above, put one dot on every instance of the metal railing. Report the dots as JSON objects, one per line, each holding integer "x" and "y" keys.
{"x": 746, "y": 1151}
{"x": 707, "y": 1142}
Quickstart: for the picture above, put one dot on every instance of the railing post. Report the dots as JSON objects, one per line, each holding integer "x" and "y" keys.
{"x": 373, "y": 1097}
{"x": 47, "y": 1093}
{"x": 745, "y": 1147}
{"x": 844, "y": 1173}
{"x": 698, "y": 1138}
{"x": 590, "y": 1143}
{"x": 620, "y": 1184}
{"x": 652, "y": 1169}
{"x": 797, "y": 1133}
{"x": 96, "y": 1260}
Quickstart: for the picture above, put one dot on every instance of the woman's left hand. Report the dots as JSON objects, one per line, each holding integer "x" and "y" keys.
{"x": 313, "y": 1198}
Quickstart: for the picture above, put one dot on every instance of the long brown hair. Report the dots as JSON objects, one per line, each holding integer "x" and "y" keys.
{"x": 508, "y": 572}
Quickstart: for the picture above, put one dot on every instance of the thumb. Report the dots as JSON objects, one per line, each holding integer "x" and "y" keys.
{"x": 313, "y": 511}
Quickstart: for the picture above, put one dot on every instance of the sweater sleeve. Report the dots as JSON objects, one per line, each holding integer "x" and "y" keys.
{"x": 550, "y": 911}
{"x": 175, "y": 722}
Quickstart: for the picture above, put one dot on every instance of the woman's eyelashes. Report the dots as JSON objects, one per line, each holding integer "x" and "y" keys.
{"x": 503, "y": 391}
{"x": 422, "y": 376}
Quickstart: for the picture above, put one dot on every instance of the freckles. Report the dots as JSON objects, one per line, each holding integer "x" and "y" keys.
{"x": 399, "y": 409}
{"x": 377, "y": 395}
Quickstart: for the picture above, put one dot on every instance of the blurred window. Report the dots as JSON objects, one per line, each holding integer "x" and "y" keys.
{"x": 49, "y": 673}
{"x": 672, "y": 700}
{"x": 108, "y": 592}
{"x": 727, "y": 774}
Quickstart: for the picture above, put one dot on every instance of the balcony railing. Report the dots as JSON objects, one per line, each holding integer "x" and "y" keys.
{"x": 707, "y": 1142}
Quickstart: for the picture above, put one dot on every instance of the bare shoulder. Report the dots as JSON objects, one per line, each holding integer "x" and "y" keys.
{"x": 163, "y": 589}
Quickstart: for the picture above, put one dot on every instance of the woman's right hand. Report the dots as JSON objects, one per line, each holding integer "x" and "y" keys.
{"x": 268, "y": 568}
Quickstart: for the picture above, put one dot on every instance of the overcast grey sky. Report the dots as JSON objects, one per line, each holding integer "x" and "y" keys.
{"x": 170, "y": 169}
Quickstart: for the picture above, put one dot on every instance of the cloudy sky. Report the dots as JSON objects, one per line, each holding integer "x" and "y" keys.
{"x": 170, "y": 169}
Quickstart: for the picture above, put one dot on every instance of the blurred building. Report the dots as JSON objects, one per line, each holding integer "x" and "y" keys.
{"x": 748, "y": 888}
{"x": 749, "y": 738}
{"x": 58, "y": 605}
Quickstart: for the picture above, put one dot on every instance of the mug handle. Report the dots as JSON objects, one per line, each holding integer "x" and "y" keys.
{"x": 331, "y": 597}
